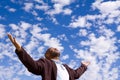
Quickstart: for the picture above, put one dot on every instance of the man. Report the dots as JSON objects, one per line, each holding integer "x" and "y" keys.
{"x": 50, "y": 67}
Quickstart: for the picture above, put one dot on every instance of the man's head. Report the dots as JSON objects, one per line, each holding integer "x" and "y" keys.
{"x": 52, "y": 53}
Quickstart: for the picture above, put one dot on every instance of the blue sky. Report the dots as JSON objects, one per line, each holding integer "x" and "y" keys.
{"x": 83, "y": 30}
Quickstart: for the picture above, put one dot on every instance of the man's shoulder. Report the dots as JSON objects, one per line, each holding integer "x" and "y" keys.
{"x": 65, "y": 65}
{"x": 44, "y": 60}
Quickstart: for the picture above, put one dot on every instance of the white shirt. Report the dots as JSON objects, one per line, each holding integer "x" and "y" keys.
{"x": 62, "y": 73}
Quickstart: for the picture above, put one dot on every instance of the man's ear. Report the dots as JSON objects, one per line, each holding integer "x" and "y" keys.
{"x": 47, "y": 55}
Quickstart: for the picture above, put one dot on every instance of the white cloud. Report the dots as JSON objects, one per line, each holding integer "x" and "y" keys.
{"x": 59, "y": 7}
{"x": 101, "y": 45}
{"x": 82, "y": 32}
{"x": 12, "y": 10}
{"x": 101, "y": 67}
{"x": 53, "y": 42}
{"x": 54, "y": 20}
{"x": 41, "y": 5}
{"x": 46, "y": 38}
{"x": 34, "y": 13}
{"x": 72, "y": 64}
{"x": 2, "y": 31}
{"x": 63, "y": 37}
{"x": 14, "y": 26}
{"x": 108, "y": 33}
{"x": 39, "y": 18}
{"x": 109, "y": 21}
{"x": 25, "y": 25}
{"x": 41, "y": 49}
{"x": 28, "y": 6}
{"x": 102, "y": 53}
{"x": 19, "y": 30}
{"x": 44, "y": 7}
{"x": 36, "y": 30}
{"x": 118, "y": 28}
{"x": 8, "y": 73}
{"x": 80, "y": 22}
{"x": 92, "y": 17}
{"x": 65, "y": 57}
{"x": 109, "y": 11}
{"x": 16, "y": 78}
{"x": 66, "y": 2}
{"x": 107, "y": 7}
{"x": 40, "y": 1}
{"x": 32, "y": 44}
{"x": 67, "y": 11}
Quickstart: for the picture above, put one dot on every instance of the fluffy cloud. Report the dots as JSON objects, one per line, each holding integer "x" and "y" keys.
{"x": 2, "y": 31}
{"x": 102, "y": 53}
{"x": 28, "y": 6}
{"x": 59, "y": 7}
{"x": 65, "y": 57}
{"x": 80, "y": 22}
{"x": 44, "y": 7}
{"x": 82, "y": 32}
{"x": 107, "y": 7}
{"x": 48, "y": 40}
{"x": 118, "y": 28}
{"x": 109, "y": 14}
{"x": 63, "y": 37}
{"x": 10, "y": 9}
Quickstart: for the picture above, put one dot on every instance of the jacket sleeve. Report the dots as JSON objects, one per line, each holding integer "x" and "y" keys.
{"x": 34, "y": 67}
{"x": 75, "y": 74}
{"x": 79, "y": 71}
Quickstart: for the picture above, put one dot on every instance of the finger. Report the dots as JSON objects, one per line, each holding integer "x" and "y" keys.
{"x": 16, "y": 44}
{"x": 14, "y": 40}
{"x": 10, "y": 37}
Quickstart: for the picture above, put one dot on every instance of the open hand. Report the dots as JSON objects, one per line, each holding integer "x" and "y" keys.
{"x": 14, "y": 42}
{"x": 85, "y": 63}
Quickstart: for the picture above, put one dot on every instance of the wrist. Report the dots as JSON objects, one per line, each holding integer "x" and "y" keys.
{"x": 18, "y": 48}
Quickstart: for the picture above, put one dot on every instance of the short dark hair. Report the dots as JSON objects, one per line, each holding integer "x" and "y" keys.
{"x": 51, "y": 54}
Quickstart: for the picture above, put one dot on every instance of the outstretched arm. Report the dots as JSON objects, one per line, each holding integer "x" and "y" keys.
{"x": 79, "y": 71}
{"x": 33, "y": 66}
{"x": 75, "y": 74}
{"x": 14, "y": 42}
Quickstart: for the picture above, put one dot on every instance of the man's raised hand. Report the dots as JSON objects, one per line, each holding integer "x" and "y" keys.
{"x": 14, "y": 42}
{"x": 85, "y": 63}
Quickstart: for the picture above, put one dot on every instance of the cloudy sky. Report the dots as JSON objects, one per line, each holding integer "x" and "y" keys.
{"x": 83, "y": 30}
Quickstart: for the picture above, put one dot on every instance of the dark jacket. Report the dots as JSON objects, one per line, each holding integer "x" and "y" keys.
{"x": 47, "y": 68}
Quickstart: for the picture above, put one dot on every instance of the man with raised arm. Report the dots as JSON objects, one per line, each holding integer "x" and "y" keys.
{"x": 50, "y": 67}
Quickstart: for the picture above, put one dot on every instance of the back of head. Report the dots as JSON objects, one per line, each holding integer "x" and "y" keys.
{"x": 52, "y": 53}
